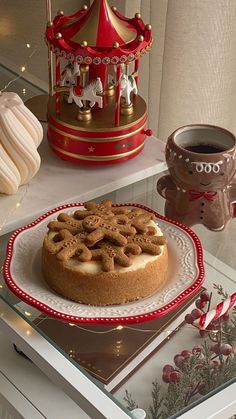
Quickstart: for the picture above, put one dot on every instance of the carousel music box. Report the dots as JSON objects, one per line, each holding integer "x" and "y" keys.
{"x": 95, "y": 115}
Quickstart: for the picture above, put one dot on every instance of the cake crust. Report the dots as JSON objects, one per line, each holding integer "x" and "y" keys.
{"x": 104, "y": 288}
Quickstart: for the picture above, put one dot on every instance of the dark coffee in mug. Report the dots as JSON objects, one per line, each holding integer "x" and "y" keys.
{"x": 204, "y": 148}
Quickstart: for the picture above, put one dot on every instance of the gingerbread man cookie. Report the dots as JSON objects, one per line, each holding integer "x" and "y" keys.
{"x": 66, "y": 246}
{"x": 102, "y": 229}
{"x": 139, "y": 220}
{"x": 104, "y": 209}
{"x": 109, "y": 254}
{"x": 148, "y": 244}
{"x": 67, "y": 222}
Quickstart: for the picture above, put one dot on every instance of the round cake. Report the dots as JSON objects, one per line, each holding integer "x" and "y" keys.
{"x": 104, "y": 255}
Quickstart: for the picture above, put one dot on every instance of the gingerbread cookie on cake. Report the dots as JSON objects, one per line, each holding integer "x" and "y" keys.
{"x": 104, "y": 255}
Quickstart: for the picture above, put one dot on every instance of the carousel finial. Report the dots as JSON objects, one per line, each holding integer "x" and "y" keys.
{"x": 141, "y": 38}
{"x": 85, "y": 7}
{"x": 114, "y": 8}
{"x": 148, "y": 27}
{"x": 84, "y": 44}
{"x": 49, "y": 24}
{"x": 60, "y": 13}
{"x": 137, "y": 15}
{"x": 116, "y": 44}
{"x": 58, "y": 35}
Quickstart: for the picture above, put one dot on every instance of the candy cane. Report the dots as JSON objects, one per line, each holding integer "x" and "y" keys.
{"x": 203, "y": 321}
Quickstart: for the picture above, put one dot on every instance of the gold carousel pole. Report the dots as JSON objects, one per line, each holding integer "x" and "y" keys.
{"x": 50, "y": 54}
{"x": 85, "y": 114}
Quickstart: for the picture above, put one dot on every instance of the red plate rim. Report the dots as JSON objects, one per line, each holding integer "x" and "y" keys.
{"x": 178, "y": 300}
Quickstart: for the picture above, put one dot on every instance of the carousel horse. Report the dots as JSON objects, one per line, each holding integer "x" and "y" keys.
{"x": 127, "y": 86}
{"x": 89, "y": 93}
{"x": 70, "y": 74}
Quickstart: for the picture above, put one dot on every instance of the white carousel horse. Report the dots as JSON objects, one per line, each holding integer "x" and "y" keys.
{"x": 89, "y": 93}
{"x": 127, "y": 86}
{"x": 70, "y": 74}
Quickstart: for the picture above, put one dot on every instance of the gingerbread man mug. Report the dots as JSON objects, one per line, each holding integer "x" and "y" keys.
{"x": 200, "y": 187}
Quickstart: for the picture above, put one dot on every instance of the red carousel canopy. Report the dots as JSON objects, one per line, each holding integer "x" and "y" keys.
{"x": 99, "y": 34}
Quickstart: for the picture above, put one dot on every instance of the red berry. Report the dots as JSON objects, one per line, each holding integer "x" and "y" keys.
{"x": 196, "y": 313}
{"x": 200, "y": 304}
{"x": 197, "y": 349}
{"x": 166, "y": 377}
{"x": 203, "y": 333}
{"x": 178, "y": 360}
{"x": 225, "y": 349}
{"x": 205, "y": 296}
{"x": 186, "y": 354}
{"x": 168, "y": 368}
{"x": 174, "y": 376}
{"x": 189, "y": 319}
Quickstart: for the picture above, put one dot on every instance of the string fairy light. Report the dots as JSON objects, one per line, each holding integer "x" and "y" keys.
{"x": 119, "y": 343}
{"x": 23, "y": 68}
{"x": 100, "y": 332}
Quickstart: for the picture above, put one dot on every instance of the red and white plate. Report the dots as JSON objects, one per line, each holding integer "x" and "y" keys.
{"x": 23, "y": 274}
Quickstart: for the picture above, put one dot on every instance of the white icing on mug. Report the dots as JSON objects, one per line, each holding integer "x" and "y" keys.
{"x": 207, "y": 167}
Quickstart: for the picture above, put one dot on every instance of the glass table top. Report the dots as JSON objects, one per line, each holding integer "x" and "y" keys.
{"x": 115, "y": 356}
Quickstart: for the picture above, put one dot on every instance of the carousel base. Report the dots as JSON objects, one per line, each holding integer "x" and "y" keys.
{"x": 96, "y": 141}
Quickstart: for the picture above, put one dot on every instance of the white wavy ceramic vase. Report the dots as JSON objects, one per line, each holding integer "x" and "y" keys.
{"x": 20, "y": 135}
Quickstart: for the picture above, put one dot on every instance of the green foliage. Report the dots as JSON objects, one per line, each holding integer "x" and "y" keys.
{"x": 131, "y": 404}
{"x": 157, "y": 401}
{"x": 199, "y": 374}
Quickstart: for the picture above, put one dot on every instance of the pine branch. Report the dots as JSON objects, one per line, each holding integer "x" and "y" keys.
{"x": 202, "y": 371}
{"x": 220, "y": 291}
{"x": 131, "y": 404}
{"x": 157, "y": 401}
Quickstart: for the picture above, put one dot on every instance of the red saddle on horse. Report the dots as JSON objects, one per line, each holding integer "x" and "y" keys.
{"x": 78, "y": 90}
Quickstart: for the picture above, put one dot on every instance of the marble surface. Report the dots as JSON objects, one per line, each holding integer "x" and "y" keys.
{"x": 59, "y": 182}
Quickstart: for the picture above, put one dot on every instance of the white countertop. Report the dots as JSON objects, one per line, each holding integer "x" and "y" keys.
{"x": 59, "y": 182}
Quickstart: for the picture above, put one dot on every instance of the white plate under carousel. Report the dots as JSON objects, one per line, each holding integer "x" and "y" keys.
{"x": 23, "y": 274}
